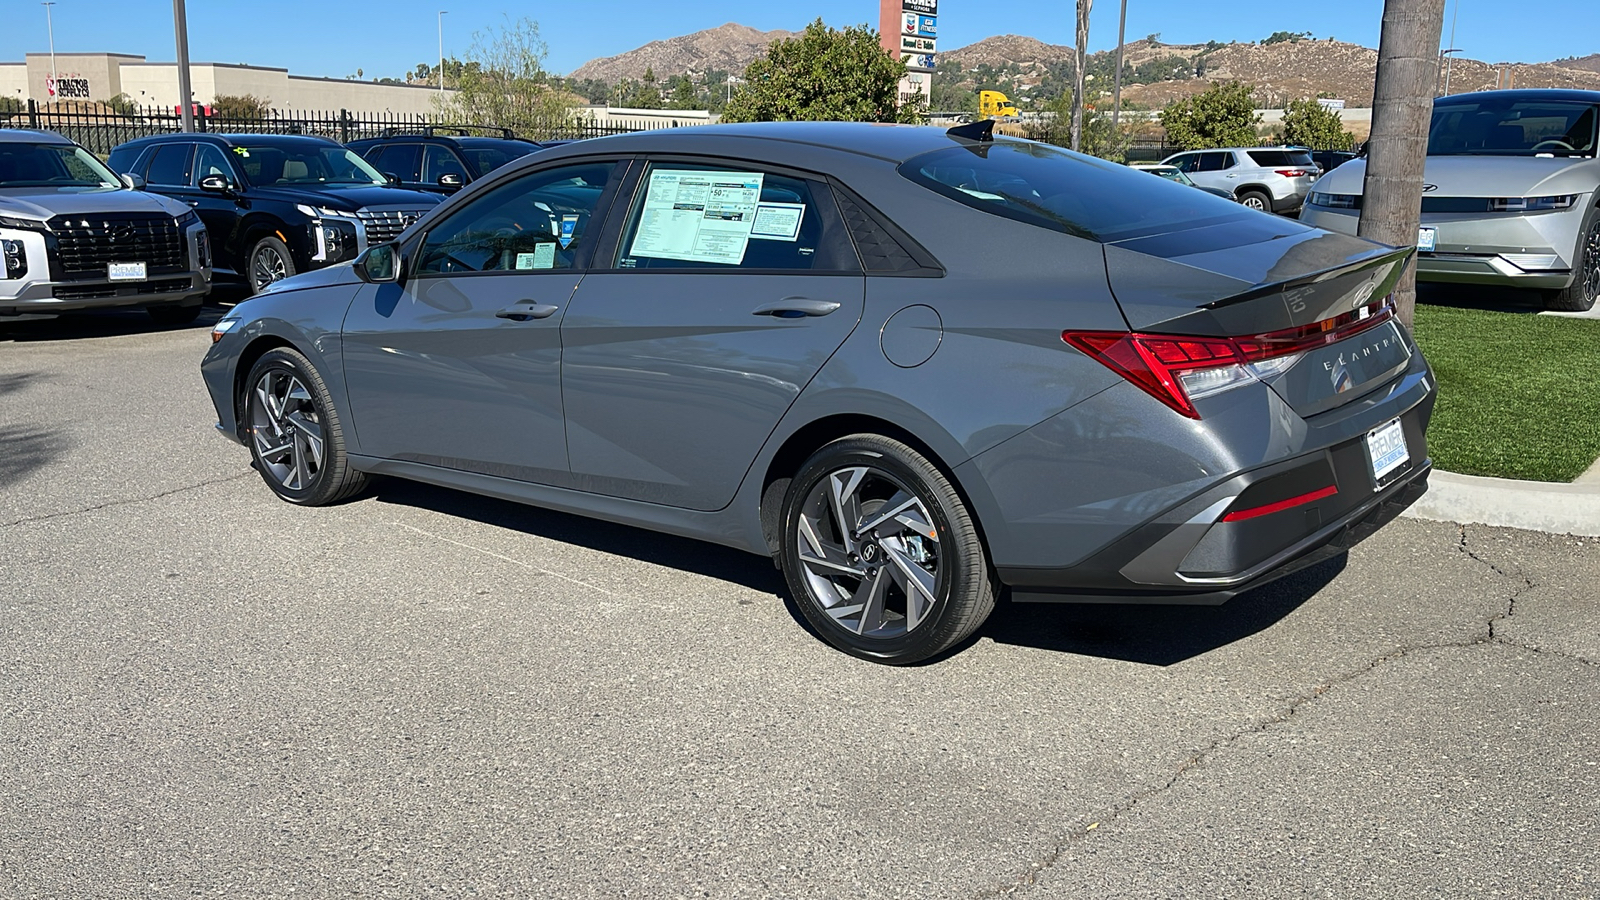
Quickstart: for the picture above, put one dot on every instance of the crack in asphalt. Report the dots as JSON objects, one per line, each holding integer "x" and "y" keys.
{"x": 132, "y": 501}
{"x": 1200, "y": 757}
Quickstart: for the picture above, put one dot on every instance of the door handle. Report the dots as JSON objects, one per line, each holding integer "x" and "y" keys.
{"x": 527, "y": 309}
{"x": 1233, "y": 176}
{"x": 796, "y": 307}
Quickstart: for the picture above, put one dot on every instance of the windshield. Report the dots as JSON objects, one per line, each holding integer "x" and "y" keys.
{"x": 312, "y": 164}
{"x": 1051, "y": 188}
{"x": 1504, "y": 127}
{"x": 52, "y": 165}
{"x": 486, "y": 155}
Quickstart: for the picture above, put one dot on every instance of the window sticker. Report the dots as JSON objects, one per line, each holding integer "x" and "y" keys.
{"x": 569, "y": 229}
{"x": 542, "y": 257}
{"x": 697, "y": 216}
{"x": 778, "y": 221}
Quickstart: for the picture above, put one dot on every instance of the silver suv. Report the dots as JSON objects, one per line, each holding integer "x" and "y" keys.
{"x": 75, "y": 236}
{"x": 1275, "y": 179}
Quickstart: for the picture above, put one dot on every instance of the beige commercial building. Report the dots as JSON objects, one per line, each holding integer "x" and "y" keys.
{"x": 102, "y": 76}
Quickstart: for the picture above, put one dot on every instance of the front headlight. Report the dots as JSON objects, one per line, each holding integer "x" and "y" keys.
{"x": 188, "y": 218}
{"x": 1335, "y": 201}
{"x": 321, "y": 212}
{"x": 22, "y": 224}
{"x": 1532, "y": 204}
{"x": 222, "y": 328}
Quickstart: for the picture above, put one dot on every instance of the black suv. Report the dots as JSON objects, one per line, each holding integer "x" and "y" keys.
{"x": 443, "y": 158}
{"x": 274, "y": 204}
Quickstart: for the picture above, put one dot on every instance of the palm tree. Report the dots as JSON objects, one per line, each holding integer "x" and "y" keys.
{"x": 1402, "y": 106}
{"x": 1078, "y": 75}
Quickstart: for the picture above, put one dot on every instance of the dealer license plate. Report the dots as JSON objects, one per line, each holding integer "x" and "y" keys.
{"x": 126, "y": 271}
{"x": 1386, "y": 448}
{"x": 1427, "y": 238}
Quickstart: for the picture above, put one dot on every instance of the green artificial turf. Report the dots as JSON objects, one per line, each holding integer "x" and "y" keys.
{"x": 1518, "y": 396}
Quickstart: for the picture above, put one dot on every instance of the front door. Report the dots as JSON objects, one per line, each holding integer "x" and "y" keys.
{"x": 728, "y": 290}
{"x": 459, "y": 366}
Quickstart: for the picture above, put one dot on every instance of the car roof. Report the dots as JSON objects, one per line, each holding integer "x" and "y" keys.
{"x": 230, "y": 140}
{"x": 31, "y": 136}
{"x": 1521, "y": 94}
{"x": 891, "y": 143}
{"x": 1242, "y": 149}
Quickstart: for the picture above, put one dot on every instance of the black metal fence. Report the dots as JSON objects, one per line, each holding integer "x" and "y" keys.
{"x": 100, "y": 128}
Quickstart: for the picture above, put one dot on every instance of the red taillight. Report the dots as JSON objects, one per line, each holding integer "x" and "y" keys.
{"x": 1178, "y": 369}
{"x": 1239, "y": 515}
{"x": 1292, "y": 173}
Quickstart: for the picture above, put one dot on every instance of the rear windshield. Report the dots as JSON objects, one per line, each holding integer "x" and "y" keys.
{"x": 1497, "y": 126}
{"x": 1272, "y": 158}
{"x": 487, "y": 154}
{"x": 1052, "y": 188}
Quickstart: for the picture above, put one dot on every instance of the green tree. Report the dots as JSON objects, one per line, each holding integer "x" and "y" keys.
{"x": 1280, "y": 37}
{"x": 683, "y": 94}
{"x": 10, "y": 105}
{"x": 1223, "y": 116}
{"x": 824, "y": 75}
{"x": 502, "y": 82}
{"x": 1053, "y": 125}
{"x": 246, "y": 107}
{"x": 1307, "y": 123}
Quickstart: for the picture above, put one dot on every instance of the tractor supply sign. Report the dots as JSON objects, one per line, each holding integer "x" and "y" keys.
{"x": 70, "y": 87}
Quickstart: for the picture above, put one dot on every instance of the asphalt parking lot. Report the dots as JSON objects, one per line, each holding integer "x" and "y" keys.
{"x": 205, "y": 691}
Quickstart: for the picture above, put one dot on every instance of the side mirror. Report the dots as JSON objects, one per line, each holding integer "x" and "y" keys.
{"x": 133, "y": 182}
{"x": 216, "y": 184}
{"x": 379, "y": 265}
{"x": 392, "y": 179}
{"x": 451, "y": 180}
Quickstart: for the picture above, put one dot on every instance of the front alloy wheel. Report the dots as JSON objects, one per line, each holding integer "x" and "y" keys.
{"x": 270, "y": 262}
{"x": 881, "y": 554}
{"x": 296, "y": 436}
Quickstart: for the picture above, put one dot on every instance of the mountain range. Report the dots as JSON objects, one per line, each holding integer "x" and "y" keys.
{"x": 1282, "y": 70}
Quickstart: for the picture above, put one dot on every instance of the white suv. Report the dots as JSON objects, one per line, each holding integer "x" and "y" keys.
{"x": 1274, "y": 179}
{"x": 74, "y": 236}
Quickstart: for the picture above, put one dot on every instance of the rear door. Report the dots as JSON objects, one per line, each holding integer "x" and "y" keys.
{"x": 1212, "y": 169}
{"x": 727, "y": 287}
{"x": 399, "y": 160}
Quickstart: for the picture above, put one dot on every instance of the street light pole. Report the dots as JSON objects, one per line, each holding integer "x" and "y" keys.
{"x": 1451, "y": 59}
{"x": 1116, "y": 85}
{"x": 180, "y": 26}
{"x": 55, "y": 83}
{"x": 442, "y": 14}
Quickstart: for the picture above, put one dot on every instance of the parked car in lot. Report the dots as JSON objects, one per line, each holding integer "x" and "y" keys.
{"x": 442, "y": 159}
{"x": 1275, "y": 179}
{"x": 914, "y": 366}
{"x": 1328, "y": 160}
{"x": 74, "y": 236}
{"x": 1511, "y": 194}
{"x": 274, "y": 204}
{"x": 1173, "y": 173}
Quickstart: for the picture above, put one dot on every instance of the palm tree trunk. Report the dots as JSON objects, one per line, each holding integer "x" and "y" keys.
{"x": 1402, "y": 106}
{"x": 1078, "y": 75}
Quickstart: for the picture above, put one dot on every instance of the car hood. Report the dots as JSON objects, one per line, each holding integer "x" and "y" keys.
{"x": 349, "y": 197}
{"x": 330, "y": 276}
{"x": 1483, "y": 176}
{"x": 43, "y": 203}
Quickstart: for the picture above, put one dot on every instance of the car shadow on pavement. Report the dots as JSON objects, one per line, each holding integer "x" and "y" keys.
{"x": 1156, "y": 635}
{"x": 711, "y": 560}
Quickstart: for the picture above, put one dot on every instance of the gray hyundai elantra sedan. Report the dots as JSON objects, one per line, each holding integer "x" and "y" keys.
{"x": 916, "y": 367}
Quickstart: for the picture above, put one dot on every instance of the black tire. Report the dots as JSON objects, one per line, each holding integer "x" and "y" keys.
{"x": 1255, "y": 200}
{"x": 173, "y": 315}
{"x": 963, "y": 584}
{"x": 274, "y": 260}
{"x": 279, "y": 421}
{"x": 1580, "y": 296}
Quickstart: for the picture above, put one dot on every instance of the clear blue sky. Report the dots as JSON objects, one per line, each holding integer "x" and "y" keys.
{"x": 317, "y": 37}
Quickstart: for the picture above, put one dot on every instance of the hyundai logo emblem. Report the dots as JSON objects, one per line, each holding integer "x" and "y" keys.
{"x": 122, "y": 233}
{"x": 1429, "y": 188}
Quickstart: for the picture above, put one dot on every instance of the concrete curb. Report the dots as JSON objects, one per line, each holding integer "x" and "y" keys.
{"x": 1530, "y": 505}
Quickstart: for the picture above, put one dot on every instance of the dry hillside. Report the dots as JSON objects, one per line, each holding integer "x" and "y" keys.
{"x": 728, "y": 47}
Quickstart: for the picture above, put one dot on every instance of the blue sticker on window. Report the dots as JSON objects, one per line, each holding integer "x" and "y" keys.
{"x": 569, "y": 229}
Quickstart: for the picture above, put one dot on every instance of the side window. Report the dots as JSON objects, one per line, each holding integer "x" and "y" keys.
{"x": 1187, "y": 163}
{"x": 399, "y": 160}
{"x": 438, "y": 160}
{"x": 698, "y": 217}
{"x": 169, "y": 165}
{"x": 538, "y": 221}
{"x": 209, "y": 160}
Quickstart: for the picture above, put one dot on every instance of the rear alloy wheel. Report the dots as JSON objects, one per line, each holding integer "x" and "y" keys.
{"x": 881, "y": 553}
{"x": 296, "y": 436}
{"x": 1255, "y": 200}
{"x": 1580, "y": 296}
{"x": 269, "y": 262}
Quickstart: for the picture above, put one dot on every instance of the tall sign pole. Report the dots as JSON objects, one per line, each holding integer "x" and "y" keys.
{"x": 180, "y": 25}
{"x": 50, "y": 26}
{"x": 1116, "y": 82}
{"x": 909, "y": 31}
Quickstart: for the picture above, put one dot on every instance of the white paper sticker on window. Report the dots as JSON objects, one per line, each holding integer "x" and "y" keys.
{"x": 542, "y": 257}
{"x": 778, "y": 221}
{"x": 697, "y": 216}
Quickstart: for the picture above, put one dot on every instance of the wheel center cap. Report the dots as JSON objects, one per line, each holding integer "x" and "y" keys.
{"x": 869, "y": 551}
